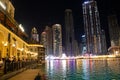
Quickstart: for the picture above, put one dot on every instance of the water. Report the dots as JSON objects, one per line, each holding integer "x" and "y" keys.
{"x": 83, "y": 69}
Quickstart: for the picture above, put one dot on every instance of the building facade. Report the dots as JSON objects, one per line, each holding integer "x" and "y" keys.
{"x": 13, "y": 41}
{"x": 57, "y": 40}
{"x": 83, "y": 44}
{"x": 114, "y": 32}
{"x": 92, "y": 27}
{"x": 47, "y": 40}
{"x": 49, "y": 36}
{"x": 104, "y": 44}
{"x": 69, "y": 33}
{"x": 7, "y": 6}
{"x": 43, "y": 41}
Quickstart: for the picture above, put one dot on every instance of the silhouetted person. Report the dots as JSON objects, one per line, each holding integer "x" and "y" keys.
{"x": 38, "y": 77}
{"x": 43, "y": 77}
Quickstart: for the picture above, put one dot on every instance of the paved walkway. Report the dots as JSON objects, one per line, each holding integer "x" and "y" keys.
{"x": 27, "y": 75}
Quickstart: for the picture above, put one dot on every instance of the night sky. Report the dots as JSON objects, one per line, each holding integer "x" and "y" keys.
{"x": 39, "y": 13}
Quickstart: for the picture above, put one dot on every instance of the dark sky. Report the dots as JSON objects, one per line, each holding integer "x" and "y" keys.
{"x": 39, "y": 13}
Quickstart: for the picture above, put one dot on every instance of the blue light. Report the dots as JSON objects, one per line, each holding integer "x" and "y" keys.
{"x": 86, "y": 2}
{"x": 83, "y": 36}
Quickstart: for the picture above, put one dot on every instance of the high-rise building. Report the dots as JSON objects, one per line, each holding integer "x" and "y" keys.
{"x": 34, "y": 36}
{"x": 57, "y": 40}
{"x": 76, "y": 48}
{"x": 103, "y": 41}
{"x": 69, "y": 36}
{"x": 114, "y": 32}
{"x": 83, "y": 44}
{"x": 43, "y": 41}
{"x": 92, "y": 27}
{"x": 49, "y": 40}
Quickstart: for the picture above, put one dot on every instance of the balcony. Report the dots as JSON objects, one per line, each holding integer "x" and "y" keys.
{"x": 12, "y": 25}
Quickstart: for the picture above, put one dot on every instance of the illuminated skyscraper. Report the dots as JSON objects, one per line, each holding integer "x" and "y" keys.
{"x": 49, "y": 41}
{"x": 57, "y": 40}
{"x": 43, "y": 41}
{"x": 34, "y": 36}
{"x": 92, "y": 27}
{"x": 69, "y": 36}
{"x": 83, "y": 45}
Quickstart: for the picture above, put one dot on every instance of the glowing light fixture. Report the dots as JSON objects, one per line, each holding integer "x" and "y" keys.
{"x": 116, "y": 52}
{"x": 13, "y": 45}
{"x": 86, "y": 2}
{"x": 63, "y": 56}
{"x": 21, "y": 27}
{"x": 2, "y": 5}
{"x": 6, "y": 43}
{"x": 83, "y": 35}
{"x": 50, "y": 57}
{"x": 57, "y": 24}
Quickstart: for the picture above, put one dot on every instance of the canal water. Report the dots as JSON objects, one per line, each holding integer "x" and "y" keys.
{"x": 83, "y": 69}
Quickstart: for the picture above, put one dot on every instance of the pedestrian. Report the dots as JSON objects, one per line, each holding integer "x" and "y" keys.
{"x": 38, "y": 77}
{"x": 43, "y": 77}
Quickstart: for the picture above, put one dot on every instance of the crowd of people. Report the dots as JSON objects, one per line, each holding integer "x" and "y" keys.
{"x": 12, "y": 64}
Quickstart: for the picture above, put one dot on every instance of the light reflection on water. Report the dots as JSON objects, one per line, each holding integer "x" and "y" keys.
{"x": 83, "y": 69}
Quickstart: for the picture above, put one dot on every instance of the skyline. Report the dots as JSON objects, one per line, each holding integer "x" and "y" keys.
{"x": 42, "y": 13}
{"x": 48, "y": 59}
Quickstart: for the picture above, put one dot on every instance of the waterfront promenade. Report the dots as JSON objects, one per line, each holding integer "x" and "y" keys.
{"x": 29, "y": 74}
{"x": 25, "y": 73}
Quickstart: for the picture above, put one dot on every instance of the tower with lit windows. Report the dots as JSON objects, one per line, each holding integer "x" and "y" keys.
{"x": 43, "y": 41}
{"x": 92, "y": 27}
{"x": 49, "y": 35}
{"x": 46, "y": 40}
{"x": 83, "y": 44}
{"x": 57, "y": 40}
{"x": 69, "y": 33}
{"x": 34, "y": 36}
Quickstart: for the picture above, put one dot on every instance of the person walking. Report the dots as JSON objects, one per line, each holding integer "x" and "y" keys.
{"x": 38, "y": 77}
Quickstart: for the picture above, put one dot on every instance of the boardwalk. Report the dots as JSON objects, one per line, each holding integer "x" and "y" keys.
{"x": 26, "y": 75}
{"x": 29, "y": 74}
